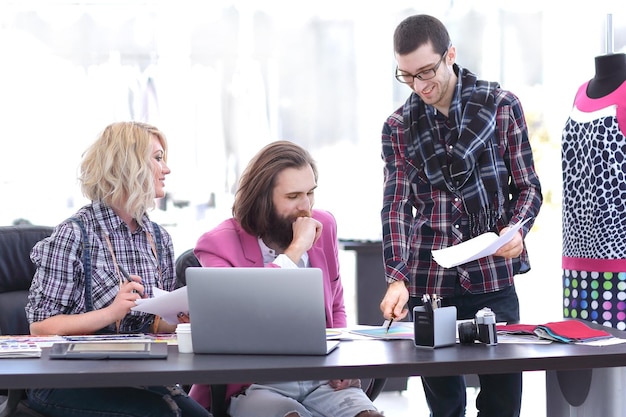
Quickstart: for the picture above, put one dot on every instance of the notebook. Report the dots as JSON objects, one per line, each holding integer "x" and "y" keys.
{"x": 109, "y": 350}
{"x": 277, "y": 311}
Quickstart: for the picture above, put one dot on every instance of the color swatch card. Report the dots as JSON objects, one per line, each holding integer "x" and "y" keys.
{"x": 333, "y": 334}
{"x": 398, "y": 330}
{"x": 15, "y": 348}
{"x": 565, "y": 331}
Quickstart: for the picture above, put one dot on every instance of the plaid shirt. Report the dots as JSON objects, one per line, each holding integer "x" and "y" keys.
{"x": 417, "y": 218}
{"x": 58, "y": 286}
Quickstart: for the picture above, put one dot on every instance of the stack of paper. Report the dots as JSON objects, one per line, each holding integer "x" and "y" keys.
{"x": 17, "y": 348}
{"x": 476, "y": 248}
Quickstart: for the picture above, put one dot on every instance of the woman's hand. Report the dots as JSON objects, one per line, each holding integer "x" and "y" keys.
{"x": 183, "y": 317}
{"x": 125, "y": 299}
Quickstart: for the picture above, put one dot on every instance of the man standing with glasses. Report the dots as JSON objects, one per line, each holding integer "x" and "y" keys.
{"x": 458, "y": 163}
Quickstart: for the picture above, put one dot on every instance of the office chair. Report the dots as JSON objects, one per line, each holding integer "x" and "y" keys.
{"x": 372, "y": 387}
{"x": 16, "y": 273}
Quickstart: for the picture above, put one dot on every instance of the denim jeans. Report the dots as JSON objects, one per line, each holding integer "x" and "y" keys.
{"x": 169, "y": 401}
{"x": 500, "y": 394}
{"x": 307, "y": 398}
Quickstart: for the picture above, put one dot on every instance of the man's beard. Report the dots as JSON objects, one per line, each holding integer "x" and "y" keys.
{"x": 280, "y": 231}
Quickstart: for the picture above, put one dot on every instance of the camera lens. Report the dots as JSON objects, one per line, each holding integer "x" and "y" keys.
{"x": 467, "y": 332}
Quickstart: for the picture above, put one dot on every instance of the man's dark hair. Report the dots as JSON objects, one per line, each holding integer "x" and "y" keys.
{"x": 253, "y": 205}
{"x": 418, "y": 30}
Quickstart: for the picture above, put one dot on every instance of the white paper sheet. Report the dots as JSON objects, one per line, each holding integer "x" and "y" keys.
{"x": 476, "y": 248}
{"x": 165, "y": 304}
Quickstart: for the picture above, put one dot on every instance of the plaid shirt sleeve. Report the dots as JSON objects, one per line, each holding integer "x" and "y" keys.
{"x": 54, "y": 289}
{"x": 524, "y": 185}
{"x": 396, "y": 214}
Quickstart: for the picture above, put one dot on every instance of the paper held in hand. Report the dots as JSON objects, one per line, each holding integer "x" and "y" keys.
{"x": 165, "y": 304}
{"x": 478, "y": 247}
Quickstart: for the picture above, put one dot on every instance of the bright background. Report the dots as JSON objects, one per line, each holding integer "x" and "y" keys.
{"x": 223, "y": 78}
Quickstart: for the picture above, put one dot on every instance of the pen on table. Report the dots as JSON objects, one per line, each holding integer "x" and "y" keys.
{"x": 127, "y": 276}
{"x": 389, "y": 324}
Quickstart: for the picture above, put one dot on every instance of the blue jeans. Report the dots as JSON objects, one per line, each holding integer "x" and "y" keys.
{"x": 500, "y": 394}
{"x": 307, "y": 398}
{"x": 169, "y": 401}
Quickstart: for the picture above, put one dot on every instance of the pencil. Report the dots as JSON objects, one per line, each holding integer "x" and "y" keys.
{"x": 127, "y": 276}
{"x": 125, "y": 273}
{"x": 389, "y": 324}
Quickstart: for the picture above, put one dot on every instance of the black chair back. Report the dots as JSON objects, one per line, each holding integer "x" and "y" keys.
{"x": 16, "y": 274}
{"x": 184, "y": 261}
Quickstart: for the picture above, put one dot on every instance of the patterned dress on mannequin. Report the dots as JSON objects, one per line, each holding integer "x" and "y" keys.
{"x": 593, "y": 153}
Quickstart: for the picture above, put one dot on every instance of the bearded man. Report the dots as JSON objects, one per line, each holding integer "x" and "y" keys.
{"x": 274, "y": 226}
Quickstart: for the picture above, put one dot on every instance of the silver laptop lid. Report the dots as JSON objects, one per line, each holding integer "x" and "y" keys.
{"x": 257, "y": 310}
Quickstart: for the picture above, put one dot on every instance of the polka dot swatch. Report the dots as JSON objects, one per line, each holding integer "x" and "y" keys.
{"x": 599, "y": 297}
{"x": 594, "y": 189}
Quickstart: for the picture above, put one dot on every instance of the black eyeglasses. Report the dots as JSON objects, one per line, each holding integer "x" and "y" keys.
{"x": 407, "y": 78}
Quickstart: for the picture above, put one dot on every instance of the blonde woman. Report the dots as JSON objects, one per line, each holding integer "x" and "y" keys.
{"x": 98, "y": 262}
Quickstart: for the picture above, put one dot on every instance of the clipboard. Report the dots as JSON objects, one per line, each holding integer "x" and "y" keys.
{"x": 109, "y": 350}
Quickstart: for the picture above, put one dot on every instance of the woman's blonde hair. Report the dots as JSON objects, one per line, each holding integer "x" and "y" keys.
{"x": 117, "y": 168}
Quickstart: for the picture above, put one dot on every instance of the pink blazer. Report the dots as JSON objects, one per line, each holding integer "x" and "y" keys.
{"x": 228, "y": 245}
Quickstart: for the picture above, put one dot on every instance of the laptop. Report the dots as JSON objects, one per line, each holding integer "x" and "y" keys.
{"x": 274, "y": 311}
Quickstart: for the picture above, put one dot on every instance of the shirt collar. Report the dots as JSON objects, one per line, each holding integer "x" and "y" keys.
{"x": 111, "y": 222}
{"x": 269, "y": 255}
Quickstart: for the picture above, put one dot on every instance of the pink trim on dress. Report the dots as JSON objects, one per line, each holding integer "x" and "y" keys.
{"x": 617, "y": 98}
{"x": 596, "y": 265}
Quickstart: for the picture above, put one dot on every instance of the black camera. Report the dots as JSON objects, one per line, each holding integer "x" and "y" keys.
{"x": 483, "y": 328}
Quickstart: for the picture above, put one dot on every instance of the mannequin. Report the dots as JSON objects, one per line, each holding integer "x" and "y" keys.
{"x": 610, "y": 74}
{"x": 594, "y": 197}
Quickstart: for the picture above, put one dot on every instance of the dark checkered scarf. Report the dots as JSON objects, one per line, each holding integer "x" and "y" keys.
{"x": 476, "y": 172}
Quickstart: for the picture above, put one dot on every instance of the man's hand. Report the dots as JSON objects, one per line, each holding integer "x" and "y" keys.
{"x": 306, "y": 231}
{"x": 512, "y": 249}
{"x": 395, "y": 299}
{"x": 339, "y": 384}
